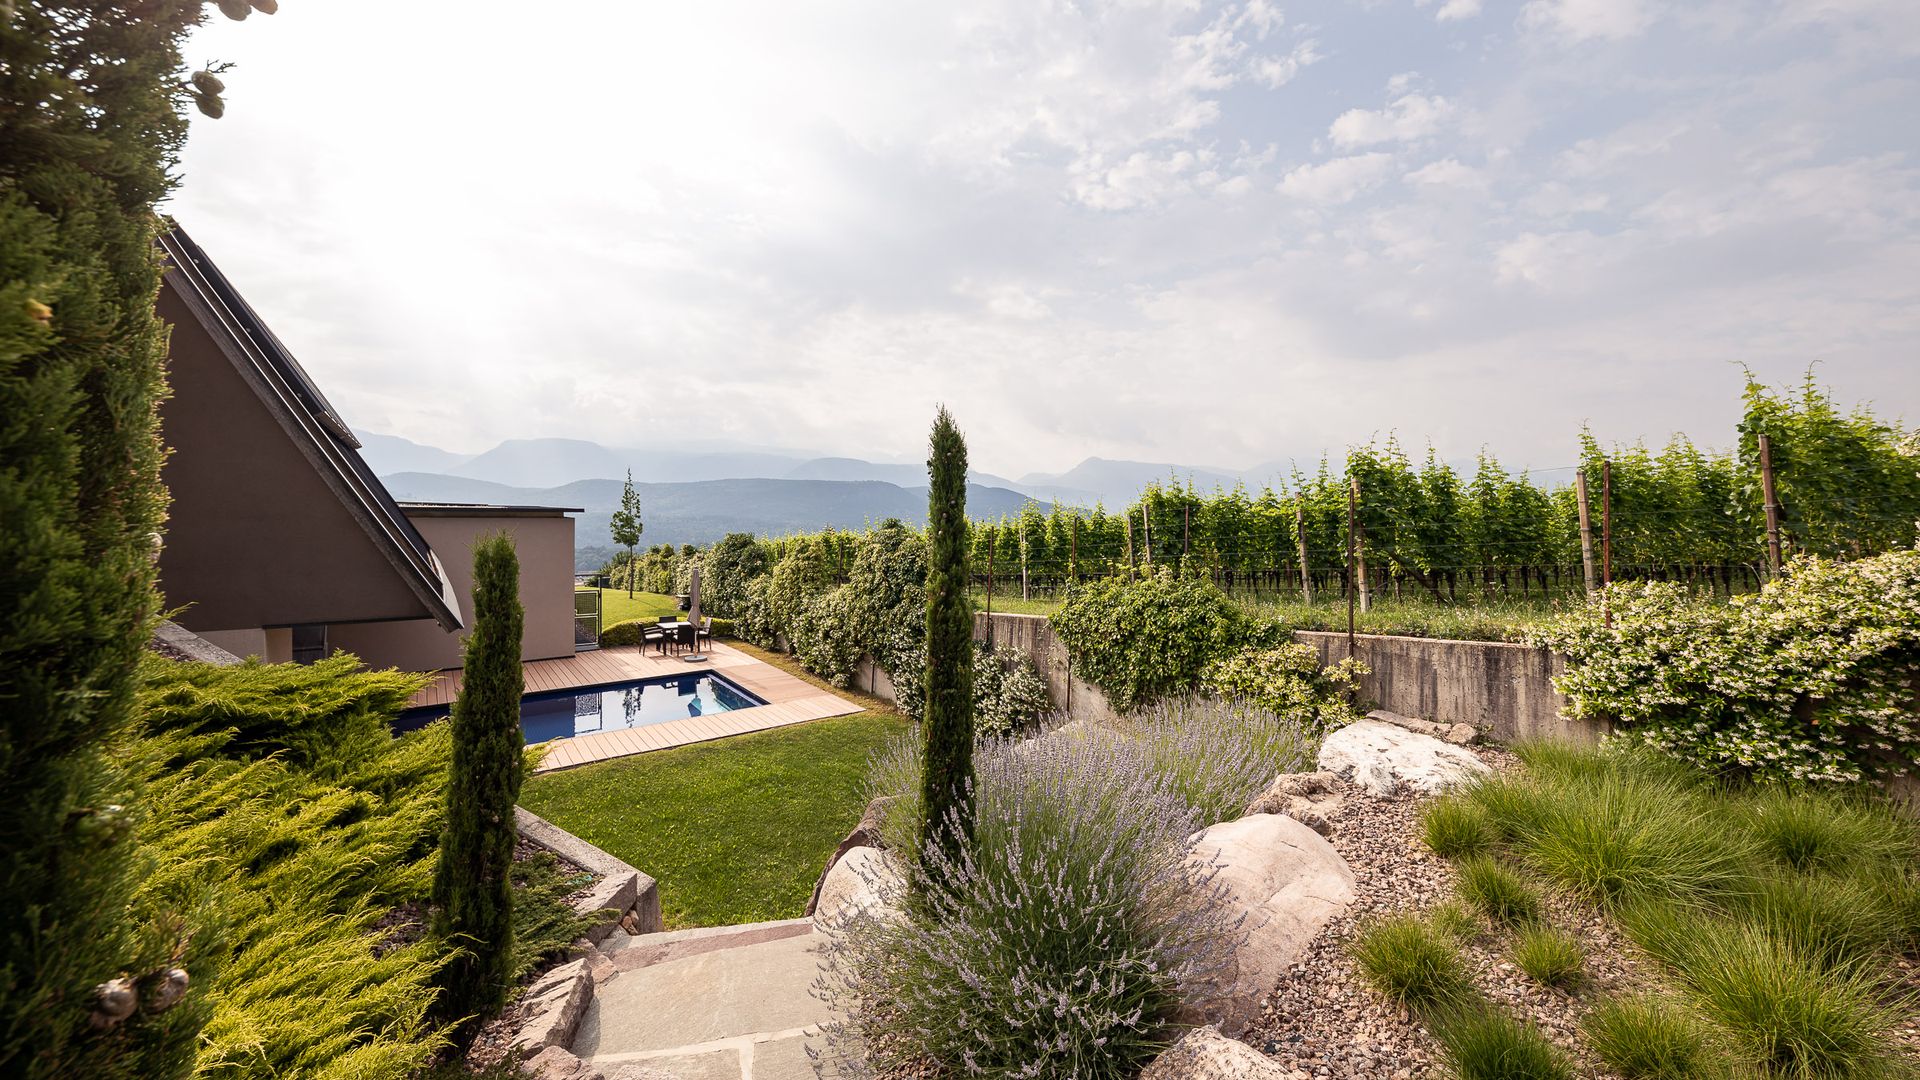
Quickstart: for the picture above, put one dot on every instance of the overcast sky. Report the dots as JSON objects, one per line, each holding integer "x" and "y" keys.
{"x": 1199, "y": 232}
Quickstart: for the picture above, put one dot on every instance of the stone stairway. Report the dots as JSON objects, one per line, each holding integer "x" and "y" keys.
{"x": 729, "y": 1003}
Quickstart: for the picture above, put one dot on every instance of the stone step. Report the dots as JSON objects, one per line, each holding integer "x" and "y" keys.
{"x": 735, "y": 1012}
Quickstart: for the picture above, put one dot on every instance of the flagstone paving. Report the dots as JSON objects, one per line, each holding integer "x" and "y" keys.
{"x": 736, "y": 1012}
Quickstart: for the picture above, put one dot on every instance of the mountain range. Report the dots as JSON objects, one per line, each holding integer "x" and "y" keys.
{"x": 697, "y": 494}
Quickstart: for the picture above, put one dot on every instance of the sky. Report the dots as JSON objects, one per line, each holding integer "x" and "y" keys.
{"x": 1211, "y": 233}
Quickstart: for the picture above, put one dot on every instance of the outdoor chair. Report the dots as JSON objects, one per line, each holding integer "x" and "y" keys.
{"x": 653, "y": 635}
{"x": 685, "y": 636}
{"x": 704, "y": 632}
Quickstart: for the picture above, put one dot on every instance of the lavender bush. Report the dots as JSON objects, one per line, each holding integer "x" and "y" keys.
{"x": 1060, "y": 946}
{"x": 1219, "y": 755}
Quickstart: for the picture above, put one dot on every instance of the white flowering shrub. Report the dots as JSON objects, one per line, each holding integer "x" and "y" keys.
{"x": 1815, "y": 678}
{"x": 1009, "y": 697}
{"x": 1288, "y": 680}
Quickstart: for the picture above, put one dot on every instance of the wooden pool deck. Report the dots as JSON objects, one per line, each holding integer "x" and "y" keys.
{"x": 789, "y": 699}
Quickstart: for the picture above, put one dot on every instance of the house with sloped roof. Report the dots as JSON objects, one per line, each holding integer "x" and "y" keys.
{"x": 280, "y": 541}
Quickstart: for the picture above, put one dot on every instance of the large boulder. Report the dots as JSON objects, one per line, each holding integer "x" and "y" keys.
{"x": 1289, "y": 883}
{"x": 866, "y": 881}
{"x": 1205, "y": 1054}
{"x": 865, "y": 834}
{"x": 1381, "y": 758}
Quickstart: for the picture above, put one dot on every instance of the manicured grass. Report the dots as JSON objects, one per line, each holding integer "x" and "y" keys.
{"x": 617, "y": 606}
{"x": 1471, "y": 619}
{"x": 735, "y": 830}
{"x": 1010, "y": 602}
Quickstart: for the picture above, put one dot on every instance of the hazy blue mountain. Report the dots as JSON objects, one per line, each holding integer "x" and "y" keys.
{"x": 703, "y": 511}
{"x": 550, "y": 462}
{"x": 843, "y": 468}
{"x": 1116, "y": 483}
{"x": 391, "y": 453}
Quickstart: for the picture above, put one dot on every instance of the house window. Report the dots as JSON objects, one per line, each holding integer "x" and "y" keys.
{"x": 309, "y": 643}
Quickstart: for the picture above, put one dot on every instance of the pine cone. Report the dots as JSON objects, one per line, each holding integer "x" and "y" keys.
{"x": 207, "y": 82}
{"x": 235, "y": 9}
{"x": 211, "y": 105}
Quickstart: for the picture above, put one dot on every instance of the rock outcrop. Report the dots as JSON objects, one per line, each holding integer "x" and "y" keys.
{"x": 1457, "y": 734}
{"x": 1289, "y": 883}
{"x": 865, "y": 834}
{"x": 1381, "y": 758}
{"x": 1309, "y": 798}
{"x": 1205, "y": 1054}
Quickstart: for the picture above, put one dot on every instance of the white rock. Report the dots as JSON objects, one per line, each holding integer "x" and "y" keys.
{"x": 1205, "y": 1054}
{"x": 864, "y": 882}
{"x": 1290, "y": 883}
{"x": 1379, "y": 757}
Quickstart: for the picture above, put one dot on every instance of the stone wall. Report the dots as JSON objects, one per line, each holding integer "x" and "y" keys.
{"x": 1503, "y": 689}
{"x": 1030, "y": 636}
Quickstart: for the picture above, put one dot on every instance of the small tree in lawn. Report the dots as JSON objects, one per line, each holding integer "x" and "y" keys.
{"x": 946, "y": 783}
{"x": 472, "y": 891}
{"x": 627, "y": 528}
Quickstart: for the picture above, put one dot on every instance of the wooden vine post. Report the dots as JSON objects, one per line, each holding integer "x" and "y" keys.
{"x": 993, "y": 541}
{"x": 1025, "y": 592}
{"x": 1073, "y": 551}
{"x": 1606, "y": 541}
{"x": 1127, "y": 520}
{"x": 1146, "y": 533}
{"x": 1773, "y": 506}
{"x": 1360, "y": 548}
{"x": 1353, "y": 506}
{"x": 1586, "y": 529}
{"x": 1300, "y": 535}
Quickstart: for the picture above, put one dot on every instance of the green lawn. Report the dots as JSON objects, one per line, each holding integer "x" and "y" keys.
{"x": 616, "y": 606}
{"x": 735, "y": 830}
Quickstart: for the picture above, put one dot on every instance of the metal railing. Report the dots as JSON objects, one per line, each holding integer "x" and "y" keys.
{"x": 586, "y": 619}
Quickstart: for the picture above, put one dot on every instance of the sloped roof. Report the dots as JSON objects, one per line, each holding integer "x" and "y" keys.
{"x": 308, "y": 418}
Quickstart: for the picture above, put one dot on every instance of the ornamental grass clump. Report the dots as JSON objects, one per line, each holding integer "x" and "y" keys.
{"x": 1455, "y": 827}
{"x": 1219, "y": 755}
{"x": 1058, "y": 945}
{"x": 1550, "y": 957}
{"x": 1645, "y": 1038}
{"x": 1481, "y": 1043}
{"x": 1494, "y": 890}
{"x": 1414, "y": 964}
{"x": 1808, "y": 830}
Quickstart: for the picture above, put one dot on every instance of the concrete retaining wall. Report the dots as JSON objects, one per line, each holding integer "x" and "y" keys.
{"x": 1503, "y": 689}
{"x": 1030, "y": 636}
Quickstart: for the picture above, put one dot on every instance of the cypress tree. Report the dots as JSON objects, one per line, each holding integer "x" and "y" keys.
{"x": 472, "y": 888}
{"x": 948, "y": 719}
{"x": 91, "y": 99}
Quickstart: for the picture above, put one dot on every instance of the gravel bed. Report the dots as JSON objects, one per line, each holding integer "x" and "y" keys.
{"x": 1325, "y": 1022}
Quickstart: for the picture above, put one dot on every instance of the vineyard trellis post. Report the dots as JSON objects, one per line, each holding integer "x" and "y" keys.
{"x": 1586, "y": 529}
{"x": 1772, "y": 507}
{"x": 1362, "y": 582}
{"x": 1146, "y": 533}
{"x": 1606, "y": 541}
{"x": 1073, "y": 551}
{"x": 1353, "y": 506}
{"x": 993, "y": 541}
{"x": 1126, "y": 520}
{"x": 1025, "y": 593}
{"x": 1300, "y": 535}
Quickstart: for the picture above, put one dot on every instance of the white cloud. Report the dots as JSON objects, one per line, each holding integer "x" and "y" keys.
{"x": 1339, "y": 180}
{"x": 1611, "y": 20}
{"x": 1406, "y": 119}
{"x": 1447, "y": 172}
{"x": 1277, "y": 71}
{"x": 1457, "y": 9}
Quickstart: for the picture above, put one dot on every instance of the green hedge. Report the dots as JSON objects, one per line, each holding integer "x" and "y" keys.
{"x": 1287, "y": 680}
{"x": 1140, "y": 639}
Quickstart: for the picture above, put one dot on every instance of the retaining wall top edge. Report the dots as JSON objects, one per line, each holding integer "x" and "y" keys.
{"x": 570, "y": 847}
{"x": 1341, "y": 635}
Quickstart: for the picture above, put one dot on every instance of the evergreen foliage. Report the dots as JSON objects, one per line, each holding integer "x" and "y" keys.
{"x": 627, "y": 527}
{"x": 90, "y": 125}
{"x": 946, "y": 788}
{"x": 472, "y": 891}
{"x": 1137, "y": 640}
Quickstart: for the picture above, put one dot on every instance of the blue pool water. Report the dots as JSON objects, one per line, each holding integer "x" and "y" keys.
{"x": 565, "y": 713}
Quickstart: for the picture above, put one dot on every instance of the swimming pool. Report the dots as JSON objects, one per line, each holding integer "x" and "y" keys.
{"x": 563, "y": 714}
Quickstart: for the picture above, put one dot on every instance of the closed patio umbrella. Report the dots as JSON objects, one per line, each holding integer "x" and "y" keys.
{"x": 693, "y": 614}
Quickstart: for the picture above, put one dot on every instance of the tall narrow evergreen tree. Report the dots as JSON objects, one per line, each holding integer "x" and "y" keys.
{"x": 91, "y": 101}
{"x": 627, "y": 527}
{"x": 472, "y": 891}
{"x": 946, "y": 785}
